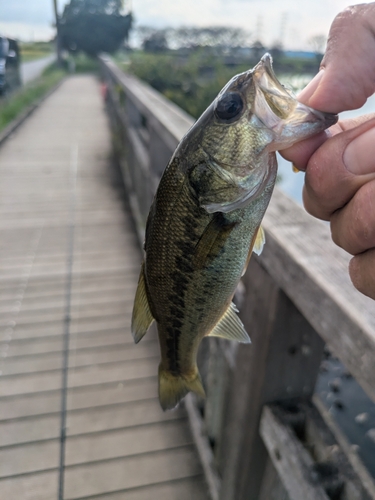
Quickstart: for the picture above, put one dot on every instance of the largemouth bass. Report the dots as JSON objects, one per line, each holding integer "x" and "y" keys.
{"x": 205, "y": 220}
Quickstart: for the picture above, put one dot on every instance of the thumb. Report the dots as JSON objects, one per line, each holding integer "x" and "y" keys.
{"x": 347, "y": 75}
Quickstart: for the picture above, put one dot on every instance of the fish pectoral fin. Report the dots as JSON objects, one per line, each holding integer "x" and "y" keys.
{"x": 260, "y": 241}
{"x": 212, "y": 240}
{"x": 230, "y": 327}
{"x": 142, "y": 316}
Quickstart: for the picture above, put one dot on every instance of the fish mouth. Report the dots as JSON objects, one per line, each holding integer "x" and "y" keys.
{"x": 279, "y": 111}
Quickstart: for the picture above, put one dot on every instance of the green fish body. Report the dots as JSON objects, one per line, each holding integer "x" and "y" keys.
{"x": 205, "y": 221}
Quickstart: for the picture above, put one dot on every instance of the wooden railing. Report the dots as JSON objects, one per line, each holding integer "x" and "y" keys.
{"x": 261, "y": 433}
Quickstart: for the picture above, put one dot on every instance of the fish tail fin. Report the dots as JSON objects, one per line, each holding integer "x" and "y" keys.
{"x": 172, "y": 388}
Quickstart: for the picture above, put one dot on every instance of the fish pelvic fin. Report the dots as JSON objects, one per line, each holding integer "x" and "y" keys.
{"x": 230, "y": 327}
{"x": 257, "y": 245}
{"x": 172, "y": 388}
{"x": 260, "y": 241}
{"x": 142, "y": 316}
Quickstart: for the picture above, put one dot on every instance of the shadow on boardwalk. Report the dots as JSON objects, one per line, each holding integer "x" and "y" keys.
{"x": 69, "y": 263}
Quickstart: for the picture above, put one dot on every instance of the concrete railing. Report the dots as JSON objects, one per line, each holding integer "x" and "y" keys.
{"x": 262, "y": 434}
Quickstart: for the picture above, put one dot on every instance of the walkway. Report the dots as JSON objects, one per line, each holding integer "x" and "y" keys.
{"x": 69, "y": 262}
{"x": 30, "y": 70}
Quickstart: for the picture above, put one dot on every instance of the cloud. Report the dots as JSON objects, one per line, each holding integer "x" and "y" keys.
{"x": 26, "y": 11}
{"x": 27, "y": 31}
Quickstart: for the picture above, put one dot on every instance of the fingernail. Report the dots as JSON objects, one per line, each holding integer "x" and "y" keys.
{"x": 310, "y": 89}
{"x": 359, "y": 154}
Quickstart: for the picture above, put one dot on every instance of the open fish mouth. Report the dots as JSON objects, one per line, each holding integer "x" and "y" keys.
{"x": 278, "y": 110}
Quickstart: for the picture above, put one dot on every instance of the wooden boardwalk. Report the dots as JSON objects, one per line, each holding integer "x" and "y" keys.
{"x": 68, "y": 264}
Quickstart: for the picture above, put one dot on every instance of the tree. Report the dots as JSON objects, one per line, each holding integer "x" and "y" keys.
{"x": 277, "y": 51}
{"x": 219, "y": 38}
{"x": 258, "y": 50}
{"x": 156, "y": 42}
{"x": 94, "y": 26}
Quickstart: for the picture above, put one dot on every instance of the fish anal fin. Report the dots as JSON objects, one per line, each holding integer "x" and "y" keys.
{"x": 142, "y": 316}
{"x": 230, "y": 327}
{"x": 212, "y": 240}
{"x": 172, "y": 388}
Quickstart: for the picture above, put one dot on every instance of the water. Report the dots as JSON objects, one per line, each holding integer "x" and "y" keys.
{"x": 352, "y": 410}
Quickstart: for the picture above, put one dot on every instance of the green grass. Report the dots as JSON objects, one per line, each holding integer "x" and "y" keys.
{"x": 35, "y": 50}
{"x": 14, "y": 104}
{"x": 84, "y": 64}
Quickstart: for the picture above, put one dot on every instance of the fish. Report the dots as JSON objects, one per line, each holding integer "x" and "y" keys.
{"x": 204, "y": 222}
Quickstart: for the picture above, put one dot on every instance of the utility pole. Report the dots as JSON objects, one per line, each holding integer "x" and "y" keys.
{"x": 58, "y": 39}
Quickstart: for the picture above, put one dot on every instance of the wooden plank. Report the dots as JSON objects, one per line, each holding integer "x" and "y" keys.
{"x": 56, "y": 295}
{"x": 27, "y": 458}
{"x": 118, "y": 416}
{"x": 42, "y": 486}
{"x": 44, "y": 455}
{"x": 83, "y": 325}
{"x": 95, "y": 396}
{"x": 288, "y": 429}
{"x": 88, "y": 420}
{"x": 127, "y": 442}
{"x": 79, "y": 311}
{"x": 12, "y": 276}
{"x": 53, "y": 296}
{"x": 313, "y": 272}
{"x": 364, "y": 483}
{"x": 113, "y": 475}
{"x": 272, "y": 488}
{"x": 283, "y": 345}
{"x": 28, "y": 430}
{"x": 183, "y": 489}
{"x": 78, "y": 359}
{"x": 291, "y": 460}
{"x": 83, "y": 340}
{"x": 78, "y": 377}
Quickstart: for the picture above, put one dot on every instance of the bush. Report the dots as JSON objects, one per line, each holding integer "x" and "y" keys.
{"x": 191, "y": 82}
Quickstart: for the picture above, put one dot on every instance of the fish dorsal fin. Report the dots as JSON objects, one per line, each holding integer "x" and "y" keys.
{"x": 230, "y": 327}
{"x": 260, "y": 241}
{"x": 212, "y": 240}
{"x": 142, "y": 316}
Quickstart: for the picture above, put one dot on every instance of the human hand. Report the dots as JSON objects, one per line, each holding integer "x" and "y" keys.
{"x": 340, "y": 163}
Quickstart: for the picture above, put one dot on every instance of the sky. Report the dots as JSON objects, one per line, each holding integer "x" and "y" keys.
{"x": 293, "y": 21}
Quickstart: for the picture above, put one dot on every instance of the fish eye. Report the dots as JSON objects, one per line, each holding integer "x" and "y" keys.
{"x": 229, "y": 106}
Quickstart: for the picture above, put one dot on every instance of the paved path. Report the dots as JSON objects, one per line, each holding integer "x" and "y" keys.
{"x": 32, "y": 69}
{"x": 67, "y": 250}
